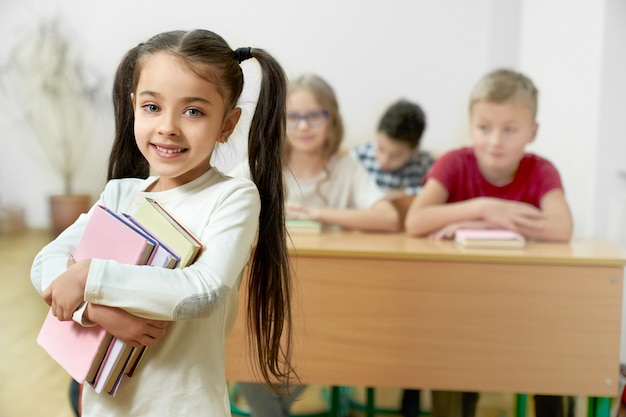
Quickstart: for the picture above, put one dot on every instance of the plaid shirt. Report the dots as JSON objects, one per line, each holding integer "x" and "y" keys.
{"x": 407, "y": 178}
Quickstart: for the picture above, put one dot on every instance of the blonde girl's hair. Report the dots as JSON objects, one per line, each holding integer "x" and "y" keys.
{"x": 325, "y": 95}
{"x": 505, "y": 85}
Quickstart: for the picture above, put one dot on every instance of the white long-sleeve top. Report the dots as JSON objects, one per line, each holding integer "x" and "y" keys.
{"x": 184, "y": 373}
{"x": 344, "y": 184}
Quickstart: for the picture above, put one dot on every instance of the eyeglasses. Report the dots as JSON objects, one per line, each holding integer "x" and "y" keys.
{"x": 313, "y": 119}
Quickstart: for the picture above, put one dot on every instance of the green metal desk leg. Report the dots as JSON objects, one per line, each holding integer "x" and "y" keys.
{"x": 591, "y": 407}
{"x": 370, "y": 411}
{"x": 335, "y": 397}
{"x": 520, "y": 405}
{"x": 603, "y": 407}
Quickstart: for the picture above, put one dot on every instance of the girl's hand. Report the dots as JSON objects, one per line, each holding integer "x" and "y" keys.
{"x": 300, "y": 212}
{"x": 134, "y": 330}
{"x": 512, "y": 215}
{"x": 67, "y": 291}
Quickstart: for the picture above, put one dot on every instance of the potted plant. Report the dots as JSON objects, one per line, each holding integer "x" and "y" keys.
{"x": 56, "y": 96}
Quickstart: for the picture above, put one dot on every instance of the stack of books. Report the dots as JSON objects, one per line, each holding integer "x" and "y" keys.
{"x": 151, "y": 236}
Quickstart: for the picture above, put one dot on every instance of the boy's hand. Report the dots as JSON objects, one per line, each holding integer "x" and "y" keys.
{"x": 448, "y": 232}
{"x": 67, "y": 291}
{"x": 512, "y": 215}
{"x": 134, "y": 330}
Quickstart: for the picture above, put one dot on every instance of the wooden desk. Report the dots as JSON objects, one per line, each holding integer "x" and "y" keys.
{"x": 393, "y": 311}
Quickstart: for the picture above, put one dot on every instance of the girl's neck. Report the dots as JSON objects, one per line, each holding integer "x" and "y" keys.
{"x": 306, "y": 165}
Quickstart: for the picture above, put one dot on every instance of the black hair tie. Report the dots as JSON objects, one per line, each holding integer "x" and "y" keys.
{"x": 241, "y": 54}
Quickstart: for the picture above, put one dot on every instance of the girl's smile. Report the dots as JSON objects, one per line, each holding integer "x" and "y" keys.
{"x": 168, "y": 152}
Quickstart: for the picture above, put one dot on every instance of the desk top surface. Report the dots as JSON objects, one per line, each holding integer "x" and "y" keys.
{"x": 580, "y": 251}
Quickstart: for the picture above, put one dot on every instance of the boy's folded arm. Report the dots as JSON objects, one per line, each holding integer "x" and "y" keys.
{"x": 424, "y": 220}
{"x": 429, "y": 211}
{"x": 557, "y": 224}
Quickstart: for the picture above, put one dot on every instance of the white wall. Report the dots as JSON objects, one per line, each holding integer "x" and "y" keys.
{"x": 374, "y": 52}
{"x": 576, "y": 52}
{"x": 611, "y": 160}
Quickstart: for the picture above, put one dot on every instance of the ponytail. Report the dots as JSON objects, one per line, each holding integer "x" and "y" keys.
{"x": 269, "y": 307}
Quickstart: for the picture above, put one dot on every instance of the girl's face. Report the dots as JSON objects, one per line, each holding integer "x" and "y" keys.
{"x": 307, "y": 122}
{"x": 500, "y": 132}
{"x": 178, "y": 119}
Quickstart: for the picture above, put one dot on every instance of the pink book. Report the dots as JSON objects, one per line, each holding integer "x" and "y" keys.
{"x": 489, "y": 238}
{"x": 88, "y": 345}
{"x": 80, "y": 350}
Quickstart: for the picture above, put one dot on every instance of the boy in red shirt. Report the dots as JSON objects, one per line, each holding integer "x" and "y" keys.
{"x": 495, "y": 184}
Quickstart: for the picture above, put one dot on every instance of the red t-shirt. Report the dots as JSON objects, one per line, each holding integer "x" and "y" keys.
{"x": 458, "y": 172}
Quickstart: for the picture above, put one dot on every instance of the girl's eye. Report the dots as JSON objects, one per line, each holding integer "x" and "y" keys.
{"x": 151, "y": 108}
{"x": 510, "y": 130}
{"x": 483, "y": 128}
{"x": 193, "y": 112}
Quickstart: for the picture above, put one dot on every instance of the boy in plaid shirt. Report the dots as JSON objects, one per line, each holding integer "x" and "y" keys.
{"x": 395, "y": 160}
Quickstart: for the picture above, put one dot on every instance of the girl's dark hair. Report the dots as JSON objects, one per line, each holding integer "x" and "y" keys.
{"x": 210, "y": 57}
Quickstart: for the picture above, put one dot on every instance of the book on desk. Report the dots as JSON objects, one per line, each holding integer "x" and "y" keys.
{"x": 90, "y": 354}
{"x": 303, "y": 227}
{"x": 489, "y": 239}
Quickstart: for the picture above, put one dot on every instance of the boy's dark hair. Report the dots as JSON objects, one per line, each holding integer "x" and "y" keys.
{"x": 210, "y": 57}
{"x": 404, "y": 121}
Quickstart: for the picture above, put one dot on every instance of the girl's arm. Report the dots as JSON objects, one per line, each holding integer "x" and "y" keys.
{"x": 187, "y": 293}
{"x": 369, "y": 210}
{"x": 381, "y": 217}
{"x": 134, "y": 330}
{"x": 56, "y": 257}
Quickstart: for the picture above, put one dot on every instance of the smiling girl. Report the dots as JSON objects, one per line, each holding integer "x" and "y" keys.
{"x": 175, "y": 100}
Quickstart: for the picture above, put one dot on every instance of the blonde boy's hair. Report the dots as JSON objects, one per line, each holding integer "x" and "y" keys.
{"x": 505, "y": 85}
